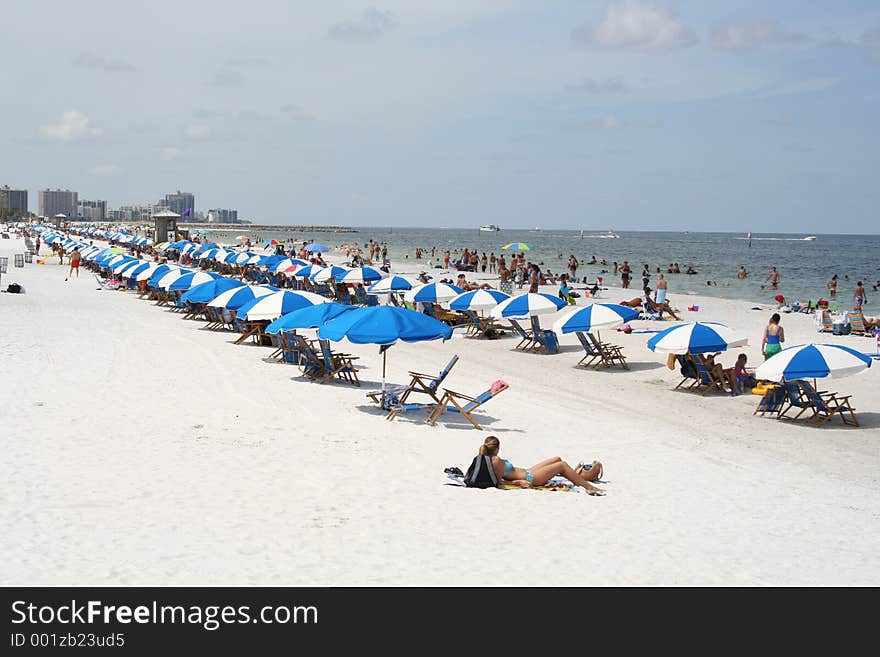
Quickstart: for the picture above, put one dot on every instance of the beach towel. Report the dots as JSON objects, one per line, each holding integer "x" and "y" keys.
{"x": 555, "y": 484}
{"x": 496, "y": 386}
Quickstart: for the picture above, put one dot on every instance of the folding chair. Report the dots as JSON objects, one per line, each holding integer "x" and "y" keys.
{"x": 452, "y": 401}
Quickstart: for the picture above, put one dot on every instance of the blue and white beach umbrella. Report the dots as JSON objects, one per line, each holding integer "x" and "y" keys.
{"x": 316, "y": 247}
{"x": 123, "y": 264}
{"x": 697, "y": 338}
{"x": 392, "y": 284}
{"x": 594, "y": 317}
{"x": 528, "y": 305}
{"x": 151, "y": 271}
{"x": 432, "y": 293}
{"x": 164, "y": 282}
{"x": 236, "y": 298}
{"x": 813, "y": 361}
{"x": 272, "y": 306}
{"x": 308, "y": 271}
{"x": 209, "y": 290}
{"x": 310, "y": 317}
{"x": 477, "y": 300}
{"x": 192, "y": 279}
{"x": 287, "y": 263}
{"x": 362, "y": 275}
{"x": 122, "y": 269}
{"x": 326, "y": 273}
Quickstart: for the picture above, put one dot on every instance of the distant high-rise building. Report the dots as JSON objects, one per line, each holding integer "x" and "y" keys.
{"x": 223, "y": 216}
{"x": 183, "y": 203}
{"x": 58, "y": 201}
{"x": 92, "y": 210}
{"x": 13, "y": 199}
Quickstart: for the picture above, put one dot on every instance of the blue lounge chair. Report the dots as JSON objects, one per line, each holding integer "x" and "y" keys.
{"x": 338, "y": 365}
{"x": 527, "y": 341}
{"x": 823, "y": 405}
{"x": 707, "y": 379}
{"x": 452, "y": 401}
{"x": 772, "y": 401}
{"x": 546, "y": 339}
{"x": 688, "y": 371}
{"x": 427, "y": 384}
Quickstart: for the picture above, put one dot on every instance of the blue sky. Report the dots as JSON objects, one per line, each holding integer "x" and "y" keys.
{"x": 568, "y": 114}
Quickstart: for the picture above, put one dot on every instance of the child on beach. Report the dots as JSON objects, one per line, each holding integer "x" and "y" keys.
{"x": 740, "y": 378}
{"x": 774, "y": 336}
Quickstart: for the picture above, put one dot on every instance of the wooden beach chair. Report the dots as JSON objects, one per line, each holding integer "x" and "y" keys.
{"x": 339, "y": 365}
{"x": 821, "y": 405}
{"x": 290, "y": 352}
{"x": 483, "y": 327}
{"x": 611, "y": 353}
{"x": 772, "y": 401}
{"x": 527, "y": 340}
{"x": 546, "y": 340}
{"x": 311, "y": 364}
{"x": 427, "y": 384}
{"x": 708, "y": 381}
{"x": 590, "y": 354}
{"x": 253, "y": 330}
{"x": 459, "y": 403}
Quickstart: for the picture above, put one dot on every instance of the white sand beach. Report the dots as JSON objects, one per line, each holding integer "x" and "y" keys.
{"x": 141, "y": 449}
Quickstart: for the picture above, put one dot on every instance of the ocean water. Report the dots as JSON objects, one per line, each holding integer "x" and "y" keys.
{"x": 805, "y": 266}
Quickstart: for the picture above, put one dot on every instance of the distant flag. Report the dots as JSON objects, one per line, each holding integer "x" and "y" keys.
{"x": 186, "y": 213}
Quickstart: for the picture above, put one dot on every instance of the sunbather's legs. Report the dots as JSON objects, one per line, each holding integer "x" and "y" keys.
{"x": 553, "y": 459}
{"x": 541, "y": 475}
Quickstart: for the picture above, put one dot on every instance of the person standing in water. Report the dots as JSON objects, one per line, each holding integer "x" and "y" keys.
{"x": 859, "y": 296}
{"x": 774, "y": 336}
{"x": 832, "y": 287}
{"x": 773, "y": 278}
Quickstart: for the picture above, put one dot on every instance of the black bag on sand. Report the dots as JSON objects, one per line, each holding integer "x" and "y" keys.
{"x": 14, "y": 288}
{"x": 481, "y": 474}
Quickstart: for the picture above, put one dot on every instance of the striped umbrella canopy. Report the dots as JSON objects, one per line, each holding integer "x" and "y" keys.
{"x": 528, "y": 305}
{"x": 137, "y": 270}
{"x": 594, "y": 317}
{"x": 237, "y": 297}
{"x": 253, "y": 259}
{"x": 697, "y": 338}
{"x": 202, "y": 254}
{"x": 392, "y": 284}
{"x": 96, "y": 255}
{"x": 112, "y": 260}
{"x": 308, "y": 271}
{"x": 270, "y": 261}
{"x": 157, "y": 272}
{"x": 287, "y": 263}
{"x": 240, "y": 258}
{"x": 316, "y": 247}
{"x": 362, "y": 275}
{"x": 477, "y": 300}
{"x": 326, "y": 273}
{"x": 432, "y": 293}
{"x": 161, "y": 246}
{"x": 191, "y": 279}
{"x": 517, "y": 246}
{"x": 309, "y": 317}
{"x": 163, "y": 282}
{"x": 273, "y": 306}
{"x": 813, "y": 361}
{"x": 205, "y": 292}
{"x": 123, "y": 267}
{"x": 229, "y": 258}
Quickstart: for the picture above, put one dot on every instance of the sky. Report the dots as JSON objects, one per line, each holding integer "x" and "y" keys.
{"x": 624, "y": 115}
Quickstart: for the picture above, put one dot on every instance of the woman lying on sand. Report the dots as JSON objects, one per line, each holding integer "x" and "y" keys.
{"x": 540, "y": 473}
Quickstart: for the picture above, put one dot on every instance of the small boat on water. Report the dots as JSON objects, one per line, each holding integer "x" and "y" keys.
{"x": 489, "y": 228}
{"x": 536, "y": 229}
{"x": 810, "y": 238}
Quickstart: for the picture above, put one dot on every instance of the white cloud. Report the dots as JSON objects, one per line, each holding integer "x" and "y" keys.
{"x": 169, "y": 153}
{"x": 105, "y": 170}
{"x": 88, "y": 59}
{"x": 630, "y": 24}
{"x": 198, "y": 131}
{"x": 73, "y": 126}
{"x": 596, "y": 86}
{"x": 792, "y": 88}
{"x": 753, "y": 35}
{"x": 372, "y": 23}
